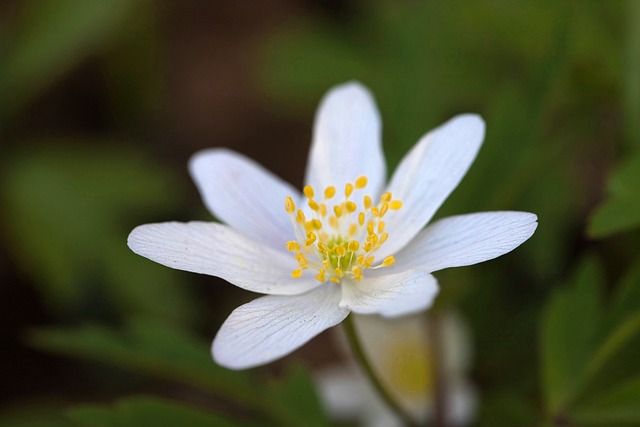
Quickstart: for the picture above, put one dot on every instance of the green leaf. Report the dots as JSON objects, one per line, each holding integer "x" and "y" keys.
{"x": 65, "y": 201}
{"x": 51, "y": 37}
{"x": 146, "y": 411}
{"x": 166, "y": 352}
{"x": 569, "y": 326}
{"x": 621, "y": 211}
{"x": 149, "y": 347}
{"x": 35, "y": 415}
{"x": 620, "y": 404}
{"x": 298, "y": 393}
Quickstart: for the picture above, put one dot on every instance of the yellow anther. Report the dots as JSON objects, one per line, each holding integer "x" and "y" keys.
{"x": 339, "y": 272}
{"x": 370, "y": 230}
{"x": 337, "y": 210}
{"x": 320, "y": 276}
{"x": 390, "y": 260}
{"x": 323, "y": 210}
{"x": 335, "y": 280}
{"x": 348, "y": 189}
{"x": 357, "y": 272}
{"x": 369, "y": 261}
{"x": 311, "y": 237}
{"x": 361, "y": 218}
{"x": 352, "y": 229}
{"x": 340, "y": 250}
{"x": 313, "y": 205}
{"x": 329, "y": 192}
{"x": 351, "y": 207}
{"x": 326, "y": 264}
{"x": 317, "y": 224}
{"x": 289, "y": 205}
{"x": 395, "y": 205}
{"x": 385, "y": 198}
{"x": 383, "y": 238}
{"x": 381, "y": 226}
{"x": 308, "y": 191}
{"x": 333, "y": 222}
{"x": 293, "y": 246}
{"x": 375, "y": 211}
{"x": 361, "y": 182}
{"x": 323, "y": 248}
{"x": 300, "y": 218}
{"x": 367, "y": 202}
{"x": 354, "y": 245}
{"x": 367, "y": 246}
{"x": 384, "y": 209}
{"x": 296, "y": 273}
{"x": 360, "y": 260}
{"x": 302, "y": 261}
{"x": 308, "y": 226}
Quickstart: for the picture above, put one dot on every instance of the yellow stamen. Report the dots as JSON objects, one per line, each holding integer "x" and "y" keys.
{"x": 329, "y": 192}
{"x": 300, "y": 218}
{"x": 361, "y": 182}
{"x": 367, "y": 202}
{"x": 296, "y": 273}
{"x": 313, "y": 205}
{"x": 386, "y": 197}
{"x": 348, "y": 190}
{"x": 308, "y": 191}
{"x": 311, "y": 237}
{"x": 390, "y": 260}
{"x": 354, "y": 246}
{"x": 289, "y": 205}
{"x": 395, "y": 205}
{"x": 351, "y": 207}
{"x": 293, "y": 246}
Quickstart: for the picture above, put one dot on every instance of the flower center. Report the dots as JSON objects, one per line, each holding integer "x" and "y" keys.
{"x": 341, "y": 238}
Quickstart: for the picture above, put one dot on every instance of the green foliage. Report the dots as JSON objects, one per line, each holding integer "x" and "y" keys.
{"x": 163, "y": 351}
{"x": 54, "y": 36}
{"x": 569, "y": 325}
{"x": 139, "y": 411}
{"x": 298, "y": 392}
{"x": 64, "y": 209}
{"x": 154, "y": 348}
{"x": 621, "y": 211}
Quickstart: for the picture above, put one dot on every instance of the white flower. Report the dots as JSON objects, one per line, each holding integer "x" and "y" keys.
{"x": 399, "y": 352}
{"x": 336, "y": 254}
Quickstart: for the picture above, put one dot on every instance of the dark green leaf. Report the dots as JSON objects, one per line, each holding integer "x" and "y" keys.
{"x": 569, "y": 325}
{"x": 146, "y": 411}
{"x": 298, "y": 393}
{"x": 621, "y": 404}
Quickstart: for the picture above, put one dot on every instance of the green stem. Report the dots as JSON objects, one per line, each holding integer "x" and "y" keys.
{"x": 358, "y": 352}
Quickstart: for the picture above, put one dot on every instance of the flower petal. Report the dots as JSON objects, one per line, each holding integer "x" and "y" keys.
{"x": 217, "y": 250}
{"x": 466, "y": 239}
{"x": 390, "y": 295}
{"x": 428, "y": 174}
{"x": 244, "y": 195}
{"x": 347, "y": 140}
{"x": 273, "y": 326}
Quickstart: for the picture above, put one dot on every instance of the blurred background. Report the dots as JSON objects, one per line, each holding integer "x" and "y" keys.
{"x": 102, "y": 103}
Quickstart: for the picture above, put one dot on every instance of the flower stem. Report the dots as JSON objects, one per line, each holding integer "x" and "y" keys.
{"x": 360, "y": 355}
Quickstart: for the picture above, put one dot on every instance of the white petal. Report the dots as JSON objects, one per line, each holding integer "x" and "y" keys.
{"x": 390, "y": 295}
{"x": 244, "y": 195}
{"x": 467, "y": 239}
{"x": 271, "y": 327}
{"x": 428, "y": 174}
{"x": 347, "y": 140}
{"x": 217, "y": 250}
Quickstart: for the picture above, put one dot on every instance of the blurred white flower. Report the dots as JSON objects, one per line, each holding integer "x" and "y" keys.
{"x": 399, "y": 351}
{"x": 349, "y": 243}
